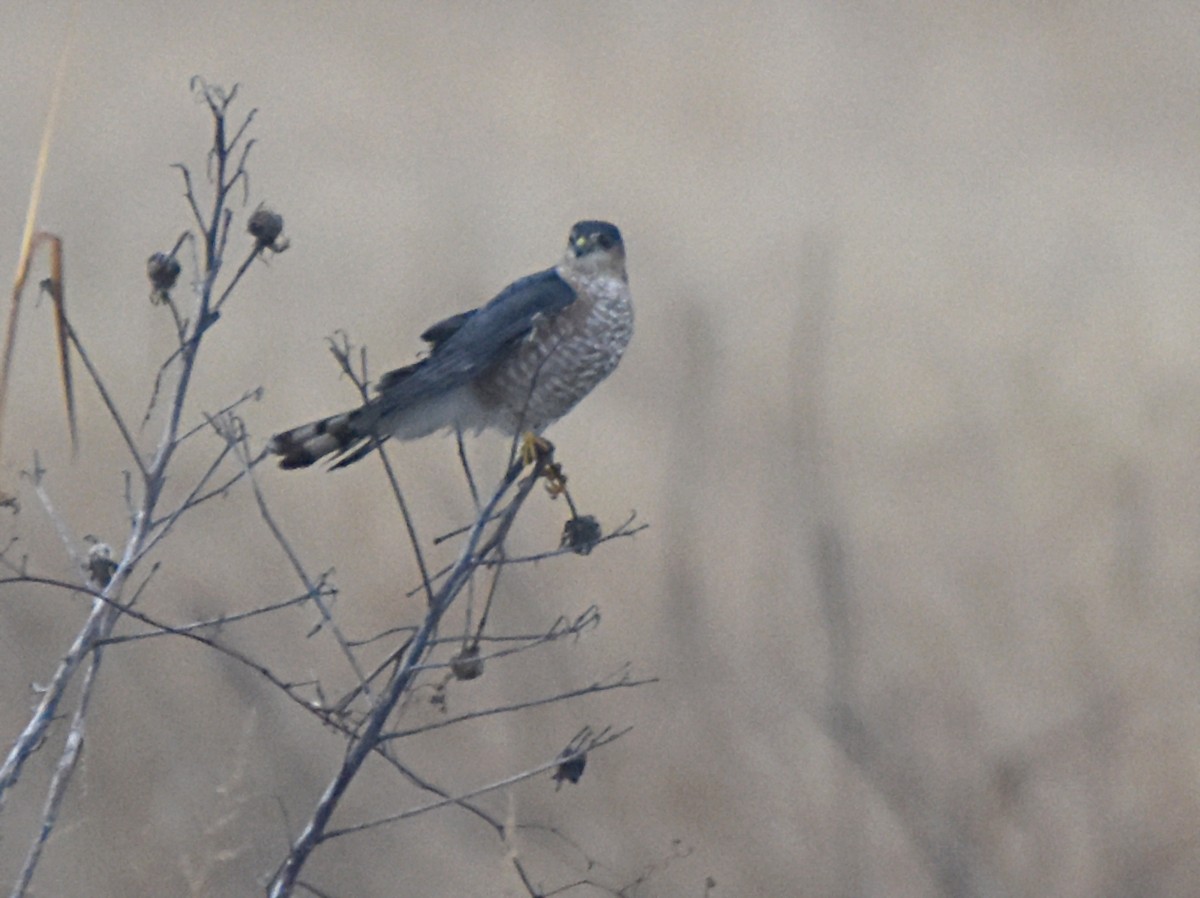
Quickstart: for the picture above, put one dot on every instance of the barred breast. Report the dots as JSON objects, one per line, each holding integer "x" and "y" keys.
{"x": 562, "y": 360}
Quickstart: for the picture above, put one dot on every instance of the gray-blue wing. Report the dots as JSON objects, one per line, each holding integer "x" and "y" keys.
{"x": 464, "y": 346}
{"x": 446, "y": 328}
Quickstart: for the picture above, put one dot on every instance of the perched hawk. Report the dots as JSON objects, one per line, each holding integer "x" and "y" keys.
{"x": 517, "y": 364}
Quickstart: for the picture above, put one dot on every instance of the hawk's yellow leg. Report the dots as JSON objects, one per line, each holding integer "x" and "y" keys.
{"x": 540, "y": 451}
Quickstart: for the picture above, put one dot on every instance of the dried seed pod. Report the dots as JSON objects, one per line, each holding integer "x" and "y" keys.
{"x": 580, "y": 534}
{"x": 265, "y": 226}
{"x": 163, "y": 271}
{"x": 100, "y": 565}
{"x": 571, "y": 768}
{"x": 467, "y": 665}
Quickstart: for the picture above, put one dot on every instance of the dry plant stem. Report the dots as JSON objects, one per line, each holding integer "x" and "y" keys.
{"x": 53, "y": 285}
{"x": 163, "y": 525}
{"x": 409, "y": 526}
{"x": 469, "y": 613}
{"x": 593, "y": 689}
{"x": 59, "y": 301}
{"x": 341, "y": 352}
{"x": 368, "y": 740}
{"x": 109, "y": 404}
{"x": 106, "y": 610}
{"x": 466, "y": 466}
{"x": 35, "y": 199}
{"x": 97, "y": 626}
{"x": 188, "y": 631}
{"x": 159, "y": 628}
{"x": 498, "y": 825}
{"x": 591, "y": 745}
{"x": 518, "y": 644}
{"x": 62, "y": 776}
{"x": 504, "y": 829}
{"x": 314, "y": 589}
{"x": 152, "y": 517}
{"x": 36, "y": 478}
{"x": 622, "y": 530}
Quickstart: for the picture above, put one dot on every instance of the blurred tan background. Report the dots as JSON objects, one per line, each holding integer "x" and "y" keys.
{"x": 911, "y": 407}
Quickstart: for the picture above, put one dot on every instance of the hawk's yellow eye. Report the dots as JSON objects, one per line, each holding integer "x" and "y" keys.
{"x": 581, "y": 241}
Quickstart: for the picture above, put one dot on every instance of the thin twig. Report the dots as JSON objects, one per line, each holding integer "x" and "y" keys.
{"x": 212, "y": 623}
{"x": 593, "y": 689}
{"x": 63, "y": 773}
{"x": 314, "y": 831}
{"x": 36, "y": 477}
{"x": 237, "y": 440}
{"x": 499, "y": 826}
{"x": 474, "y": 793}
{"x": 106, "y": 397}
{"x": 237, "y": 277}
{"x": 106, "y": 609}
{"x": 341, "y": 352}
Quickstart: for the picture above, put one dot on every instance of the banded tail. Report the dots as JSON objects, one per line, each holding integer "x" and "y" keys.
{"x": 304, "y": 445}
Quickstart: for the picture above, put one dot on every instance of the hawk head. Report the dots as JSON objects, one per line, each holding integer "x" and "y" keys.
{"x": 596, "y": 246}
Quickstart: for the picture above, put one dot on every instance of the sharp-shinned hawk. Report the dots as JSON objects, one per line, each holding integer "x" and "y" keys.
{"x": 516, "y": 364}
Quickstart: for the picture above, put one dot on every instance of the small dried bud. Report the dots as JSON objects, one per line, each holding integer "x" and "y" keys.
{"x": 163, "y": 271}
{"x": 265, "y": 226}
{"x": 467, "y": 665}
{"x": 555, "y": 477}
{"x": 100, "y": 565}
{"x": 571, "y": 769}
{"x": 580, "y": 534}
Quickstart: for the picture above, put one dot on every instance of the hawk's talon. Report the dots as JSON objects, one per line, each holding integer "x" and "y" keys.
{"x": 539, "y": 451}
{"x": 536, "y": 449}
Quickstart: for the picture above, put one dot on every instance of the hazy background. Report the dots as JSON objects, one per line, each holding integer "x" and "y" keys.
{"x": 912, "y": 408}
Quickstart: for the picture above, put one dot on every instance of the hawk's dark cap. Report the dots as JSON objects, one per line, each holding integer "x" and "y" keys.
{"x": 587, "y": 236}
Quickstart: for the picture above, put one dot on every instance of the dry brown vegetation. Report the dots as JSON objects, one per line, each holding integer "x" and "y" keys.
{"x": 911, "y": 409}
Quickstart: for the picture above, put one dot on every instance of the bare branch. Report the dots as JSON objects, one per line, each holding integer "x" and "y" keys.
{"x": 421, "y": 655}
{"x": 237, "y": 277}
{"x": 190, "y": 195}
{"x": 341, "y": 352}
{"x": 368, "y": 740}
{"x": 235, "y": 436}
{"x": 106, "y": 397}
{"x": 63, "y": 772}
{"x": 593, "y": 689}
{"x": 590, "y": 746}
